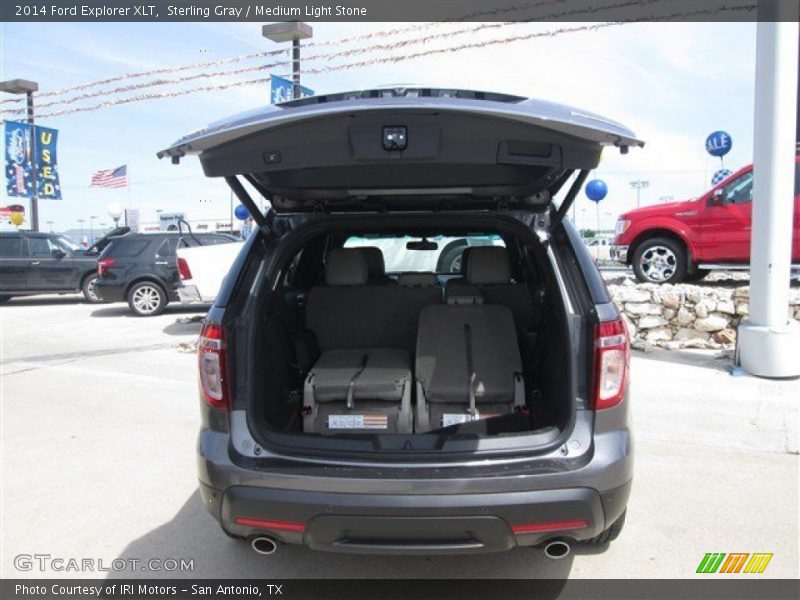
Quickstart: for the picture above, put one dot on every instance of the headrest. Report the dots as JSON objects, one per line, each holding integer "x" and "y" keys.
{"x": 374, "y": 258}
{"x": 417, "y": 279}
{"x": 488, "y": 265}
{"x": 465, "y": 260}
{"x": 458, "y": 292}
{"x": 345, "y": 266}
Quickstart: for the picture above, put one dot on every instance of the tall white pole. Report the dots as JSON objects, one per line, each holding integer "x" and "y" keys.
{"x": 769, "y": 341}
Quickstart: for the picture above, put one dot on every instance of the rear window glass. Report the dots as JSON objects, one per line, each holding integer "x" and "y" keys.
{"x": 10, "y": 247}
{"x": 444, "y": 258}
{"x": 125, "y": 248}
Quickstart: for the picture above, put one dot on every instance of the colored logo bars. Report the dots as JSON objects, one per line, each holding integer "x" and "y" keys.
{"x": 735, "y": 562}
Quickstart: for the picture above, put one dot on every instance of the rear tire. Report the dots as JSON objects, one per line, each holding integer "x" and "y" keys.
{"x": 659, "y": 260}
{"x": 610, "y": 534}
{"x": 147, "y": 299}
{"x": 89, "y": 290}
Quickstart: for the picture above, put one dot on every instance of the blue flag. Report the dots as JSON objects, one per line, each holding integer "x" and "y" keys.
{"x": 47, "y": 182}
{"x": 19, "y": 159}
{"x": 281, "y": 90}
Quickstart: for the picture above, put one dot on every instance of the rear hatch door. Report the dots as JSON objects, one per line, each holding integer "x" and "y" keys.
{"x": 405, "y": 149}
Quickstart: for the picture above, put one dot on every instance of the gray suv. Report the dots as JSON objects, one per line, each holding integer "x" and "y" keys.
{"x": 353, "y": 398}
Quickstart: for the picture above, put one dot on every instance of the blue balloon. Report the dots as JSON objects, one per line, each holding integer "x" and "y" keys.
{"x": 719, "y": 143}
{"x": 596, "y": 190}
{"x": 241, "y": 213}
{"x": 720, "y": 176}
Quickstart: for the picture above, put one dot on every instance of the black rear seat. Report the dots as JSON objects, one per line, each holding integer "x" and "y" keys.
{"x": 488, "y": 269}
{"x": 366, "y": 335}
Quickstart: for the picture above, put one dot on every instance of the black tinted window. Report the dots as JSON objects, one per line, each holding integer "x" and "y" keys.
{"x": 40, "y": 246}
{"x": 127, "y": 247}
{"x": 10, "y": 247}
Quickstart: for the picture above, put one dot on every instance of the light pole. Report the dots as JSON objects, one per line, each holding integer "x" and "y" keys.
{"x": 639, "y": 185}
{"x": 91, "y": 229}
{"x": 293, "y": 31}
{"x": 81, "y": 221}
{"x": 23, "y": 86}
{"x": 50, "y": 223}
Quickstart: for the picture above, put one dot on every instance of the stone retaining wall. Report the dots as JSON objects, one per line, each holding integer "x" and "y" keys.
{"x": 684, "y": 315}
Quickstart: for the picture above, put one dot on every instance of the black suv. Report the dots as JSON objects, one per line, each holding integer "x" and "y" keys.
{"x": 353, "y": 407}
{"x": 141, "y": 268}
{"x": 44, "y": 263}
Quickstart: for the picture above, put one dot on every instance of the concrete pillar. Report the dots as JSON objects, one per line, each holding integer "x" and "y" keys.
{"x": 769, "y": 341}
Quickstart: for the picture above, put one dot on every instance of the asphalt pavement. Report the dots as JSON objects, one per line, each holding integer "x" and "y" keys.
{"x": 99, "y": 418}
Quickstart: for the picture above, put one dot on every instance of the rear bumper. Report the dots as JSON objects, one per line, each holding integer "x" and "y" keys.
{"x": 414, "y": 524}
{"x": 110, "y": 292}
{"x": 619, "y": 253}
{"x": 189, "y": 294}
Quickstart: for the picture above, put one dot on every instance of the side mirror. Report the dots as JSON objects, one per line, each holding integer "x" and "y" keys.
{"x": 56, "y": 253}
{"x": 718, "y": 199}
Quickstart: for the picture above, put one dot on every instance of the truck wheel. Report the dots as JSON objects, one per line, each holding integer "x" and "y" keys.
{"x": 147, "y": 299}
{"x": 610, "y": 534}
{"x": 659, "y": 260}
{"x": 450, "y": 259}
{"x": 89, "y": 290}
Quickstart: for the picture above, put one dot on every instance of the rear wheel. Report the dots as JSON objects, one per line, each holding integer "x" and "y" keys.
{"x": 610, "y": 534}
{"x": 660, "y": 260}
{"x": 89, "y": 289}
{"x": 147, "y": 299}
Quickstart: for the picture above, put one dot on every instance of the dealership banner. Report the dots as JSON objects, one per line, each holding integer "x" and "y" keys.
{"x": 281, "y": 90}
{"x": 48, "y": 186}
{"x": 29, "y": 159}
{"x": 19, "y": 159}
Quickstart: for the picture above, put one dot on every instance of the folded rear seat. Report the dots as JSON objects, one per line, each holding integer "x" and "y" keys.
{"x": 468, "y": 363}
{"x": 353, "y": 389}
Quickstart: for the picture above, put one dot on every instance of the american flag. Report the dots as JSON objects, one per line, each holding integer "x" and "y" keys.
{"x": 111, "y": 178}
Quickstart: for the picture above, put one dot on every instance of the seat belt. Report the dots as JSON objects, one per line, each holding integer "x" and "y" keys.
{"x": 351, "y": 387}
{"x": 470, "y": 370}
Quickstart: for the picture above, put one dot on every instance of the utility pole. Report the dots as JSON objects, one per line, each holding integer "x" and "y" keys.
{"x": 23, "y": 86}
{"x": 293, "y": 31}
{"x": 639, "y": 185}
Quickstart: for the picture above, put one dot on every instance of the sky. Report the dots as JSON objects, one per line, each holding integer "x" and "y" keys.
{"x": 671, "y": 83}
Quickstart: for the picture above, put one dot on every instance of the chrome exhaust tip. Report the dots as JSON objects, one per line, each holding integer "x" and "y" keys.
{"x": 264, "y": 545}
{"x": 557, "y": 549}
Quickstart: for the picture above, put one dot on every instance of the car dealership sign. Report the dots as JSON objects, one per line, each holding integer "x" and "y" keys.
{"x": 31, "y": 160}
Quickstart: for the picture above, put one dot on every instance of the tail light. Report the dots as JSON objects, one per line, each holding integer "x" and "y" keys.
{"x": 211, "y": 362}
{"x": 183, "y": 269}
{"x": 103, "y": 264}
{"x": 611, "y": 363}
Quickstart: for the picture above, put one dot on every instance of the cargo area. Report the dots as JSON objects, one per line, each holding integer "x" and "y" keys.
{"x": 418, "y": 339}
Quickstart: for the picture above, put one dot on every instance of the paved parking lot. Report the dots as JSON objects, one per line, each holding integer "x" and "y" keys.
{"x": 98, "y": 428}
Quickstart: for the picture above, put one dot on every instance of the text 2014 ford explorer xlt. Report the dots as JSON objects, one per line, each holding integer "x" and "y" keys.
{"x": 353, "y": 400}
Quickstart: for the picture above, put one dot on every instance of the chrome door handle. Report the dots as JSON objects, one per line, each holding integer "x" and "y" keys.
{"x": 34, "y": 263}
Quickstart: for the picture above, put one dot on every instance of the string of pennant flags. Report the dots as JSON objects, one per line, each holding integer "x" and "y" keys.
{"x": 391, "y": 59}
{"x": 313, "y": 44}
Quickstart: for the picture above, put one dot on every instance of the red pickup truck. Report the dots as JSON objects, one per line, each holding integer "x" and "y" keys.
{"x": 684, "y": 241}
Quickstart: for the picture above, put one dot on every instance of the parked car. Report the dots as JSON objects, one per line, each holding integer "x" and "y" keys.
{"x": 141, "y": 268}
{"x": 44, "y": 263}
{"x": 599, "y": 248}
{"x": 684, "y": 241}
{"x": 202, "y": 270}
{"x": 427, "y": 412}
